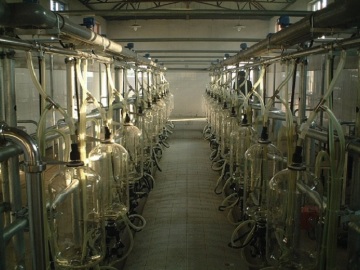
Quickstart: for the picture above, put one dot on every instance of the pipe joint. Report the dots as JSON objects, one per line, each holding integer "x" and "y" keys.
{"x": 319, "y": 106}
{"x": 52, "y": 102}
{"x": 33, "y": 161}
{"x": 31, "y": 168}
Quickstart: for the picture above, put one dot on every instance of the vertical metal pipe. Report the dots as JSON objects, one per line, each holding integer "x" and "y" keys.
{"x": 148, "y": 90}
{"x": 136, "y": 72}
{"x": 9, "y": 88}
{"x": 357, "y": 120}
{"x": 35, "y": 193}
{"x": 353, "y": 236}
{"x": 4, "y": 165}
{"x": 41, "y": 81}
{"x": 142, "y": 84}
{"x": 70, "y": 75}
{"x": 100, "y": 85}
{"x": 302, "y": 90}
{"x": 125, "y": 83}
{"x": 42, "y": 71}
{"x": 117, "y": 78}
{"x": 42, "y": 101}
{"x": 2, "y": 243}
{"x": 51, "y": 74}
{"x": 322, "y": 88}
{"x": 122, "y": 81}
{"x": 5, "y": 189}
{"x": 116, "y": 112}
{"x": 2, "y": 88}
{"x": 34, "y": 187}
{"x": 13, "y": 163}
{"x": 51, "y": 70}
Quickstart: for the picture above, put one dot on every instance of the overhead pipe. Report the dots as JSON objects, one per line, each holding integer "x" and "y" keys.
{"x": 33, "y": 15}
{"x": 19, "y": 44}
{"x": 349, "y": 43}
{"x": 338, "y": 14}
{"x": 34, "y": 167}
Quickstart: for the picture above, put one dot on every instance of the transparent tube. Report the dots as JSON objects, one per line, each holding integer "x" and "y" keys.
{"x": 41, "y": 133}
{"x": 253, "y": 92}
{"x": 45, "y": 96}
{"x": 75, "y": 217}
{"x": 305, "y": 127}
{"x": 66, "y": 141}
{"x": 110, "y": 161}
{"x": 271, "y": 100}
{"x": 337, "y": 159}
{"x": 244, "y": 83}
{"x": 83, "y": 108}
{"x": 319, "y": 159}
{"x": 111, "y": 93}
{"x": 83, "y": 123}
{"x": 87, "y": 94}
{"x": 294, "y": 223}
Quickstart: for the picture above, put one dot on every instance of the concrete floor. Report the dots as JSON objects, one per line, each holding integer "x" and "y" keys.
{"x": 185, "y": 230}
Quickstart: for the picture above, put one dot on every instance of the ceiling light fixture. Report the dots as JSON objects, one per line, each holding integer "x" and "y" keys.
{"x": 238, "y": 27}
{"x": 135, "y": 26}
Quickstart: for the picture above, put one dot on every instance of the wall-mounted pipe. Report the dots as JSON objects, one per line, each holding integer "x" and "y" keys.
{"x": 18, "y": 44}
{"x": 34, "y": 16}
{"x": 339, "y": 14}
{"x": 33, "y": 166}
{"x": 349, "y": 43}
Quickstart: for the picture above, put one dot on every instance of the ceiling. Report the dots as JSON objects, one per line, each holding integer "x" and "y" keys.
{"x": 226, "y": 9}
{"x": 198, "y": 57}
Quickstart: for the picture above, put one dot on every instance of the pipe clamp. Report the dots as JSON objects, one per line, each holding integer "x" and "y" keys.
{"x": 28, "y": 168}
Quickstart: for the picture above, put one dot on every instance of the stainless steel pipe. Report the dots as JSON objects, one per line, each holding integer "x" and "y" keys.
{"x": 34, "y": 16}
{"x": 33, "y": 167}
{"x": 338, "y": 14}
{"x": 9, "y": 151}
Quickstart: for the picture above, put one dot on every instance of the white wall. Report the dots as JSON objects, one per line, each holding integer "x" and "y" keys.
{"x": 188, "y": 86}
{"x": 186, "y": 29}
{"x": 27, "y": 96}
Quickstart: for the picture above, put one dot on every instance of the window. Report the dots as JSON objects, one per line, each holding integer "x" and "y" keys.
{"x": 317, "y": 5}
{"x": 57, "y": 5}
